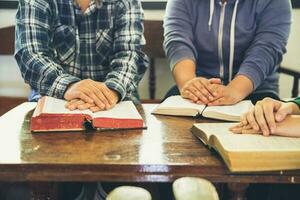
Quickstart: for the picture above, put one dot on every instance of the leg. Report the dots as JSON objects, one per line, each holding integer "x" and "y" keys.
{"x": 43, "y": 191}
{"x": 15, "y": 191}
{"x": 237, "y": 191}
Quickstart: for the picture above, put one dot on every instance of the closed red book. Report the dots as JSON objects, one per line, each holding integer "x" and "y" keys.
{"x": 51, "y": 115}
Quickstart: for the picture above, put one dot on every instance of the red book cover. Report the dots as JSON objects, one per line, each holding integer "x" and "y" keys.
{"x": 51, "y": 115}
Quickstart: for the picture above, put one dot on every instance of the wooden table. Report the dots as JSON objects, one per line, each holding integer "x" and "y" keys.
{"x": 165, "y": 151}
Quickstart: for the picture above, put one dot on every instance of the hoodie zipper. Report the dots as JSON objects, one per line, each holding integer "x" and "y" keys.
{"x": 220, "y": 39}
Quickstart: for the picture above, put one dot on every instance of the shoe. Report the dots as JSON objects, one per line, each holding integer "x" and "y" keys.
{"x": 189, "y": 188}
{"x": 129, "y": 193}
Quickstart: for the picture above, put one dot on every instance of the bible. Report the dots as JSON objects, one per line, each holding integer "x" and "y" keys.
{"x": 178, "y": 106}
{"x": 51, "y": 115}
{"x": 249, "y": 152}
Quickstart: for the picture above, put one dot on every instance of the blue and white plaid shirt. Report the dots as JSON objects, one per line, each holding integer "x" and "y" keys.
{"x": 56, "y": 45}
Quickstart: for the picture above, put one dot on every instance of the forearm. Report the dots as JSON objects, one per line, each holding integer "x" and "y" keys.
{"x": 242, "y": 85}
{"x": 183, "y": 72}
{"x": 290, "y": 127}
{"x": 43, "y": 74}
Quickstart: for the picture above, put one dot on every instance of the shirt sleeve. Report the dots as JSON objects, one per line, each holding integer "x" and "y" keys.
{"x": 268, "y": 46}
{"x": 297, "y": 101}
{"x": 178, "y": 32}
{"x": 128, "y": 63}
{"x": 34, "y": 54}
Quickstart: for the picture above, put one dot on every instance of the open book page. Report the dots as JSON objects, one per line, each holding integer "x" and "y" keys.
{"x": 123, "y": 110}
{"x": 230, "y": 113}
{"x": 176, "y": 105}
{"x": 248, "y": 142}
{"x": 57, "y": 106}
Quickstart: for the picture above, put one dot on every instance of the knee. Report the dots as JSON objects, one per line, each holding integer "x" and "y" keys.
{"x": 17, "y": 191}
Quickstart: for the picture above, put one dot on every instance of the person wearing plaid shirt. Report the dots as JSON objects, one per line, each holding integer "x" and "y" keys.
{"x": 87, "y": 51}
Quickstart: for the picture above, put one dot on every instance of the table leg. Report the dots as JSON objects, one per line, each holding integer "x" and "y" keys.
{"x": 237, "y": 191}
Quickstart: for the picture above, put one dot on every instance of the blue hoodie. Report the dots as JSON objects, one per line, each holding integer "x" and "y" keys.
{"x": 246, "y": 37}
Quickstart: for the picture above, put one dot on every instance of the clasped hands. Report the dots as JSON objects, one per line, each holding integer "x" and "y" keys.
{"x": 90, "y": 94}
{"x": 209, "y": 92}
{"x": 266, "y": 117}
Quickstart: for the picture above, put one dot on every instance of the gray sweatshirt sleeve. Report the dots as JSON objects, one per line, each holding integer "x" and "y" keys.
{"x": 178, "y": 42}
{"x": 268, "y": 46}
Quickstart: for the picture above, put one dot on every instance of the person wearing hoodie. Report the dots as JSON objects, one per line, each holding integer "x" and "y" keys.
{"x": 224, "y": 51}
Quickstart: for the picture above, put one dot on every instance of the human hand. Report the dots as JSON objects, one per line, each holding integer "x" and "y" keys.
{"x": 244, "y": 129}
{"x": 264, "y": 115}
{"x": 225, "y": 95}
{"x": 200, "y": 90}
{"x": 92, "y": 93}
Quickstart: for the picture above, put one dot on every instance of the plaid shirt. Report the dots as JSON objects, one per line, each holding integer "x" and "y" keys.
{"x": 57, "y": 45}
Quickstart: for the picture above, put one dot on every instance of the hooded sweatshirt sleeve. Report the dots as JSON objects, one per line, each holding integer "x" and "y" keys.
{"x": 178, "y": 32}
{"x": 268, "y": 46}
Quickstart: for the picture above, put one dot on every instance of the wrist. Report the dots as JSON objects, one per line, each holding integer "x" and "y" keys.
{"x": 293, "y": 107}
{"x": 242, "y": 86}
{"x": 237, "y": 94}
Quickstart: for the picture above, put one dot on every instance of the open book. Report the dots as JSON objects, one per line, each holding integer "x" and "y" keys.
{"x": 247, "y": 153}
{"x": 178, "y": 106}
{"x": 51, "y": 115}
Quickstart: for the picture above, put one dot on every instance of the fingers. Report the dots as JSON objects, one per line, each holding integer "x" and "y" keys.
{"x": 260, "y": 118}
{"x": 238, "y": 129}
{"x": 101, "y": 101}
{"x": 95, "y": 109}
{"x": 268, "y": 110}
{"x": 200, "y": 92}
{"x": 251, "y": 131}
{"x": 219, "y": 102}
{"x": 215, "y": 81}
{"x": 189, "y": 95}
{"x": 283, "y": 110}
{"x": 91, "y": 92}
{"x": 78, "y": 104}
{"x": 200, "y": 88}
{"x": 250, "y": 118}
{"x": 208, "y": 89}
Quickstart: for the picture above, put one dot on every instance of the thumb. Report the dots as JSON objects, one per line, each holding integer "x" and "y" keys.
{"x": 281, "y": 113}
{"x": 215, "y": 81}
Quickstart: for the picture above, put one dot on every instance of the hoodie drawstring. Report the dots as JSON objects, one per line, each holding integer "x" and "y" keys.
{"x": 232, "y": 40}
{"x": 211, "y": 13}
{"x": 232, "y": 32}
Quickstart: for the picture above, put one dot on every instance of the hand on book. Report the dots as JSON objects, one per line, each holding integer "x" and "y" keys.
{"x": 266, "y": 113}
{"x": 200, "y": 90}
{"x": 225, "y": 95}
{"x": 89, "y": 94}
{"x": 289, "y": 127}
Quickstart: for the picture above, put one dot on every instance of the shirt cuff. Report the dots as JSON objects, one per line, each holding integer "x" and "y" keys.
{"x": 61, "y": 84}
{"x": 117, "y": 86}
{"x": 296, "y": 101}
{"x": 179, "y": 54}
{"x": 254, "y": 73}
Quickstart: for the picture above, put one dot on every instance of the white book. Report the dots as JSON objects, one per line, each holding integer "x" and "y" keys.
{"x": 249, "y": 152}
{"x": 178, "y": 106}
